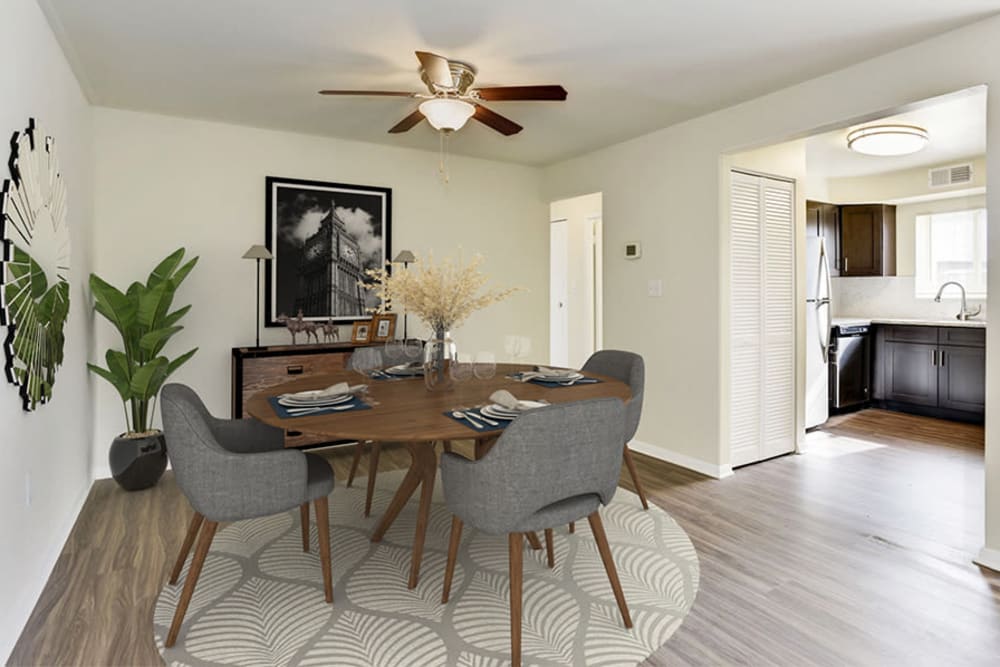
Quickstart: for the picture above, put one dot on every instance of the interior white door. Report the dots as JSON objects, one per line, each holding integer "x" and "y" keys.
{"x": 762, "y": 318}
{"x": 558, "y": 293}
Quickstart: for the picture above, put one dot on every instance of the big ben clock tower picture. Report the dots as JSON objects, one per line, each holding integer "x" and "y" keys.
{"x": 324, "y": 236}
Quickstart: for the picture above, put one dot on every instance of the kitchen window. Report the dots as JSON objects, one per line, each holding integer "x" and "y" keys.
{"x": 951, "y": 246}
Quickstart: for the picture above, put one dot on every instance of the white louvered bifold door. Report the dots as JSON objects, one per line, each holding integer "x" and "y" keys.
{"x": 762, "y": 318}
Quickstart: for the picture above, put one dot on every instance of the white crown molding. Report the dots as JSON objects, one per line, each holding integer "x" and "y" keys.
{"x": 682, "y": 460}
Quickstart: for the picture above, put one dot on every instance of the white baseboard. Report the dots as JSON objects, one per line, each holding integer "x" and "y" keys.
{"x": 988, "y": 558}
{"x": 29, "y": 597}
{"x": 682, "y": 460}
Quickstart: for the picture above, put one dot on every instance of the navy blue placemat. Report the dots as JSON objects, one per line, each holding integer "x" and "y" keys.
{"x": 552, "y": 385}
{"x": 283, "y": 413}
{"x": 479, "y": 418}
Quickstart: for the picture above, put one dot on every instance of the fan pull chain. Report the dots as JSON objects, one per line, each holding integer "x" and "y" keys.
{"x": 443, "y": 164}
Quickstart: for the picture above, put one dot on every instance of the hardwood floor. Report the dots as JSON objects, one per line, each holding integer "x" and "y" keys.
{"x": 858, "y": 552}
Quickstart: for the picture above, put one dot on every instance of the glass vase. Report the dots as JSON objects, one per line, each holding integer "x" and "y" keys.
{"x": 439, "y": 353}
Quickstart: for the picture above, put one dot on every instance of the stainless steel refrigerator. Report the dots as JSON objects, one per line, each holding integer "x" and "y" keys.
{"x": 818, "y": 321}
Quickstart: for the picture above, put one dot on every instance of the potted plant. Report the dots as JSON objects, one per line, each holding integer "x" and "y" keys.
{"x": 143, "y": 317}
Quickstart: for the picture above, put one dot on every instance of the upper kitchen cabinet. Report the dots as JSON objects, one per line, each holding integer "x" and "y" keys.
{"x": 824, "y": 220}
{"x": 868, "y": 240}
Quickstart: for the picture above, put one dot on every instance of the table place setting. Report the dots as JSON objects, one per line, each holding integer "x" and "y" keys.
{"x": 340, "y": 397}
{"x": 501, "y": 411}
{"x": 406, "y": 371}
{"x": 553, "y": 377}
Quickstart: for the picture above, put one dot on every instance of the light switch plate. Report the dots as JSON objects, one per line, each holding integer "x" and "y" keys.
{"x": 654, "y": 288}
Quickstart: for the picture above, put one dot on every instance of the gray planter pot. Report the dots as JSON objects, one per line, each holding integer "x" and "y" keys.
{"x": 138, "y": 463}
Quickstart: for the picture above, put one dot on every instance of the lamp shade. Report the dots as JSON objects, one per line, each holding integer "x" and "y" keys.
{"x": 405, "y": 256}
{"x": 887, "y": 140}
{"x": 258, "y": 252}
{"x": 446, "y": 113}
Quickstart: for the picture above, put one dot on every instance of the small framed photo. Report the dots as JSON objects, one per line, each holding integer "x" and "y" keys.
{"x": 383, "y": 327}
{"x": 361, "y": 333}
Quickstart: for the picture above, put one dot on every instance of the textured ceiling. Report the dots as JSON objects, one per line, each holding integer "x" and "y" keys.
{"x": 630, "y": 67}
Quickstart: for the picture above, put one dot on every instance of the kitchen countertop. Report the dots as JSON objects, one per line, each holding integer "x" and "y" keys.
{"x": 857, "y": 321}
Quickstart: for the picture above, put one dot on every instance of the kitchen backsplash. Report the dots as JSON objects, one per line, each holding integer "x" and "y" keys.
{"x": 892, "y": 297}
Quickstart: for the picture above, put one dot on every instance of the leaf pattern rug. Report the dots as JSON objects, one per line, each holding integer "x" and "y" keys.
{"x": 259, "y": 600}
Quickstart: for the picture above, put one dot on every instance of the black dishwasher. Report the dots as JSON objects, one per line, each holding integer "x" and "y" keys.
{"x": 850, "y": 366}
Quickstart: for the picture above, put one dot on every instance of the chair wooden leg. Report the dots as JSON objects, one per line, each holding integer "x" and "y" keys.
{"x": 372, "y": 471}
{"x": 359, "y": 449}
{"x": 323, "y": 526}
{"x": 550, "y": 551}
{"x": 304, "y": 518}
{"x": 533, "y": 540}
{"x": 204, "y": 542}
{"x": 630, "y": 464}
{"x": 572, "y": 526}
{"x": 446, "y": 444}
{"x": 186, "y": 546}
{"x": 597, "y": 528}
{"x": 516, "y": 544}
{"x": 449, "y": 570}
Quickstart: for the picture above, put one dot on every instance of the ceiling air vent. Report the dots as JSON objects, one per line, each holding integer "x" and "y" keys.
{"x": 942, "y": 177}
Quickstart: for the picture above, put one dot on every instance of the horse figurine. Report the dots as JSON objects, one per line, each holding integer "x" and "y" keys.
{"x": 299, "y": 325}
{"x": 330, "y": 332}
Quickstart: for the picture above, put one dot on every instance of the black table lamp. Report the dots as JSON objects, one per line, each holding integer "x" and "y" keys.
{"x": 258, "y": 252}
{"x": 405, "y": 257}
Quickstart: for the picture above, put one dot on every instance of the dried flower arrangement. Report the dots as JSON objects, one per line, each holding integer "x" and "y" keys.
{"x": 443, "y": 294}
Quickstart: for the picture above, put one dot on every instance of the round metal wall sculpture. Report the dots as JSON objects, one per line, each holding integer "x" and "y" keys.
{"x": 34, "y": 295}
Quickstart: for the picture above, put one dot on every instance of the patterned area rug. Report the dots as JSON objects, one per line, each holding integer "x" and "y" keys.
{"x": 259, "y": 600}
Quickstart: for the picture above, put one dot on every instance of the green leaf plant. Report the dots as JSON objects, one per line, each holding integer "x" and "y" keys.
{"x": 143, "y": 317}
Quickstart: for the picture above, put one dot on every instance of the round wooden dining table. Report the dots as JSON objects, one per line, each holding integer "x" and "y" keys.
{"x": 405, "y": 411}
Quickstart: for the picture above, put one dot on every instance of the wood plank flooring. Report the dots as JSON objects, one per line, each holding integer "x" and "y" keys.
{"x": 857, "y": 552}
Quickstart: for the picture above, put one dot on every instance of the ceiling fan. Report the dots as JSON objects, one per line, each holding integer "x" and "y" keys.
{"x": 451, "y": 100}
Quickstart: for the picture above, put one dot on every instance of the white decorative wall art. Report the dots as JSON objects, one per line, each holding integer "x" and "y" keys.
{"x": 34, "y": 271}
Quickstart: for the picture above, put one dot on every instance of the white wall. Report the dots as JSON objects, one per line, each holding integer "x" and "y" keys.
{"x": 664, "y": 189}
{"x": 164, "y": 182}
{"x": 52, "y": 444}
{"x": 579, "y": 213}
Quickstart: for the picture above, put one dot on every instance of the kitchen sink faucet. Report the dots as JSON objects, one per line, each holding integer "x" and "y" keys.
{"x": 964, "y": 313}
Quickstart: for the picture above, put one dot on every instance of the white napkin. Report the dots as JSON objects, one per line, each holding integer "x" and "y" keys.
{"x": 508, "y": 400}
{"x": 555, "y": 372}
{"x": 338, "y": 389}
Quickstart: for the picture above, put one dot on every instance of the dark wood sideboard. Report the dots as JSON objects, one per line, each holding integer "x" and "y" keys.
{"x": 257, "y": 368}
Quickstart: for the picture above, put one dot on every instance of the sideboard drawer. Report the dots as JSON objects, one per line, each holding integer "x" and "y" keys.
{"x": 259, "y": 373}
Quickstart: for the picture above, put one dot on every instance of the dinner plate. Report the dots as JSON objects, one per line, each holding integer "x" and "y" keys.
{"x": 317, "y": 401}
{"x": 405, "y": 369}
{"x": 569, "y": 377}
{"x": 498, "y": 412}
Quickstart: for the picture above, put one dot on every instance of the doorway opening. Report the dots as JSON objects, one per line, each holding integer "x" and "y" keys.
{"x": 576, "y": 276}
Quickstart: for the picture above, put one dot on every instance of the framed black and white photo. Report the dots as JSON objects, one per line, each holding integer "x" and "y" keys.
{"x": 323, "y": 236}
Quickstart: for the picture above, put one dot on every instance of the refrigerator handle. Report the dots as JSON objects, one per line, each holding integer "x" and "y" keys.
{"x": 824, "y": 275}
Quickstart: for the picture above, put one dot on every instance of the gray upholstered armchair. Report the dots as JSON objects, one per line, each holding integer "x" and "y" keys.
{"x": 551, "y": 466}
{"x": 231, "y": 470}
{"x": 630, "y": 369}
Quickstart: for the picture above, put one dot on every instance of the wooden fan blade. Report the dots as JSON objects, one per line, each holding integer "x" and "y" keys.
{"x": 501, "y": 124}
{"x": 437, "y": 69}
{"x": 407, "y": 123}
{"x": 381, "y": 93}
{"x": 527, "y": 93}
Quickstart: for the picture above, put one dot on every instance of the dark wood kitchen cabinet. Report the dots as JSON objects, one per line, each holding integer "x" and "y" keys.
{"x": 823, "y": 219}
{"x": 868, "y": 240}
{"x": 935, "y": 371}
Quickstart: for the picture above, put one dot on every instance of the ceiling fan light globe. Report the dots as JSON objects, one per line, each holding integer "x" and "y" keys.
{"x": 446, "y": 113}
{"x": 888, "y": 140}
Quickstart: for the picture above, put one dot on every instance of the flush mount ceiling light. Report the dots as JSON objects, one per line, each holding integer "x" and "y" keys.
{"x": 446, "y": 113}
{"x": 887, "y": 140}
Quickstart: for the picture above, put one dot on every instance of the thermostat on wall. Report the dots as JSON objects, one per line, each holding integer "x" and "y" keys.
{"x": 633, "y": 250}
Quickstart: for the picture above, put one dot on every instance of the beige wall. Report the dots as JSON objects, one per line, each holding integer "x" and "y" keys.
{"x": 165, "y": 182}
{"x": 900, "y": 185}
{"x": 664, "y": 189}
{"x": 46, "y": 453}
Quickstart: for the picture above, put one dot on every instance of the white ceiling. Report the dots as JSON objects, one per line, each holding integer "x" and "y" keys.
{"x": 956, "y": 126}
{"x": 630, "y": 67}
